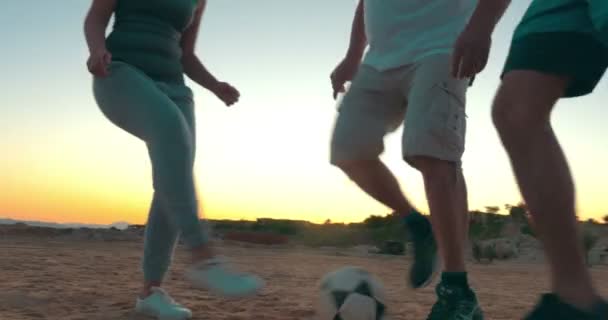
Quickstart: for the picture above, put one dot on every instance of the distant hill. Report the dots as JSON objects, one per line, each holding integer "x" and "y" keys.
{"x": 118, "y": 225}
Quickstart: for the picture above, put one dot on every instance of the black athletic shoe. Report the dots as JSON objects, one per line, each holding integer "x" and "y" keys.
{"x": 455, "y": 303}
{"x": 551, "y": 307}
{"x": 426, "y": 261}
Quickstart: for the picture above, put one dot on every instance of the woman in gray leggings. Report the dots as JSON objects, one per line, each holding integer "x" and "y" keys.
{"x": 139, "y": 86}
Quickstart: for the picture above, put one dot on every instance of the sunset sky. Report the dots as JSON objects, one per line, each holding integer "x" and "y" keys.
{"x": 62, "y": 161}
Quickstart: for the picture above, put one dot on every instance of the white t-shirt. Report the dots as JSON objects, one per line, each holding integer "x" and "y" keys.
{"x": 401, "y": 32}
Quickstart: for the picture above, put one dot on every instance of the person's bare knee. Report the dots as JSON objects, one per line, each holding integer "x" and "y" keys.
{"x": 433, "y": 169}
{"x": 524, "y": 103}
{"x": 353, "y": 167}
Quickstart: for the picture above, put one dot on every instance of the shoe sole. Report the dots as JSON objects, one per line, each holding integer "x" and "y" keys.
{"x": 153, "y": 315}
{"x": 172, "y": 318}
{"x": 201, "y": 286}
{"x": 433, "y": 275}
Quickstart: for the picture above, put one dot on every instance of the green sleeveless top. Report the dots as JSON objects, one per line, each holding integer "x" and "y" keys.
{"x": 147, "y": 34}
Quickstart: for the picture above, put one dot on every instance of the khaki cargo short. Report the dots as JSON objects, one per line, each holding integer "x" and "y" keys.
{"x": 422, "y": 96}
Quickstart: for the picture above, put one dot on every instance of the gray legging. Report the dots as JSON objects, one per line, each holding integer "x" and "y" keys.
{"x": 162, "y": 115}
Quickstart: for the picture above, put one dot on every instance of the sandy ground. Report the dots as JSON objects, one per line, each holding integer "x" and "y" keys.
{"x": 96, "y": 280}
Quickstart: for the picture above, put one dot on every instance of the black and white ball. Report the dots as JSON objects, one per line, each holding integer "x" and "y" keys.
{"x": 351, "y": 293}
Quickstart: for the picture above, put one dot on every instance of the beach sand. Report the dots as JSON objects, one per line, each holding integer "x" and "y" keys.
{"x": 87, "y": 280}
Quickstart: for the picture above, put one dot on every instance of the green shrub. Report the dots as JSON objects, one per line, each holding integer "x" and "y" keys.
{"x": 492, "y": 228}
{"x": 528, "y": 230}
{"x": 334, "y": 235}
{"x": 282, "y": 227}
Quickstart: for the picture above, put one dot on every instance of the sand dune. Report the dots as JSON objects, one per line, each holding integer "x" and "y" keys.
{"x": 87, "y": 280}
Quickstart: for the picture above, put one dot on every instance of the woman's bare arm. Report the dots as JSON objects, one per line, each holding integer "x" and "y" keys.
{"x": 193, "y": 67}
{"x": 96, "y": 22}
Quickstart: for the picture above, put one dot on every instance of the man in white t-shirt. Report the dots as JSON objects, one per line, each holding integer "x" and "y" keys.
{"x": 406, "y": 78}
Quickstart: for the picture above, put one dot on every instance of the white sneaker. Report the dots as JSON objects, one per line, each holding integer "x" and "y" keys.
{"x": 216, "y": 276}
{"x": 160, "y": 305}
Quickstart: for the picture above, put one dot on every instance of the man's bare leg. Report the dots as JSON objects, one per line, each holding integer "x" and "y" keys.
{"x": 463, "y": 201}
{"x": 373, "y": 177}
{"x": 522, "y": 116}
{"x": 446, "y": 194}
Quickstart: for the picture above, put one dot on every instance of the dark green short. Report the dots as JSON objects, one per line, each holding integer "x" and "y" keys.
{"x": 581, "y": 57}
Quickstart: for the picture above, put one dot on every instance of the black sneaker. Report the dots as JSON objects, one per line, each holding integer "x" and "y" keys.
{"x": 551, "y": 307}
{"x": 426, "y": 261}
{"x": 455, "y": 303}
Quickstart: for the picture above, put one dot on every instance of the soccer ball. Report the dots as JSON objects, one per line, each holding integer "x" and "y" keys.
{"x": 351, "y": 293}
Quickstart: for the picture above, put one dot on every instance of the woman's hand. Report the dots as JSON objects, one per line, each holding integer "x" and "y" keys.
{"x": 226, "y": 92}
{"x": 95, "y": 34}
{"x": 98, "y": 62}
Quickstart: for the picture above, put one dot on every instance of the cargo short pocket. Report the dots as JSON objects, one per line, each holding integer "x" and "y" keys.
{"x": 452, "y": 104}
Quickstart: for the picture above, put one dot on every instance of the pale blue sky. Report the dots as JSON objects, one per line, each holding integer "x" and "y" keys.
{"x": 279, "y": 54}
